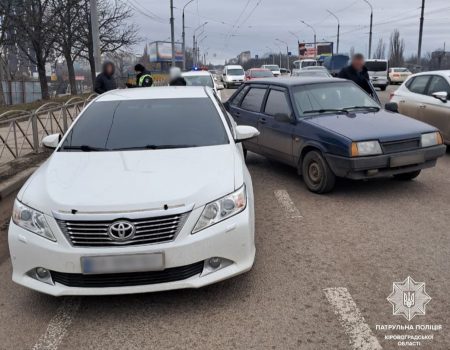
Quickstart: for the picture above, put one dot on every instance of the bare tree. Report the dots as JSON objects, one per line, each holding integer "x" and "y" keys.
{"x": 5, "y": 12}
{"x": 396, "y": 50}
{"x": 69, "y": 27}
{"x": 115, "y": 30}
{"x": 33, "y": 22}
{"x": 380, "y": 51}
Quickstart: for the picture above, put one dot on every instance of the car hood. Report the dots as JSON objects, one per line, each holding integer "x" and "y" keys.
{"x": 132, "y": 180}
{"x": 383, "y": 126}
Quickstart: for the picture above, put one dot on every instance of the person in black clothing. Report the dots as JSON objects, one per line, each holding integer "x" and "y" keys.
{"x": 105, "y": 80}
{"x": 143, "y": 77}
{"x": 357, "y": 72}
{"x": 175, "y": 77}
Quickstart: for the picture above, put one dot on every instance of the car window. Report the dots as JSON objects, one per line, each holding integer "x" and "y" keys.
{"x": 438, "y": 84}
{"x": 419, "y": 84}
{"x": 277, "y": 102}
{"x": 253, "y": 100}
{"x": 225, "y": 113}
{"x": 141, "y": 124}
{"x": 236, "y": 101}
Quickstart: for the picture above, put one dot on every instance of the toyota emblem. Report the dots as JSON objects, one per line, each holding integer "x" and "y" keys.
{"x": 122, "y": 230}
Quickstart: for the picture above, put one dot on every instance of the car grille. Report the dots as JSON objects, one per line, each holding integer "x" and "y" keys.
{"x": 400, "y": 146}
{"x": 148, "y": 231}
{"x": 127, "y": 279}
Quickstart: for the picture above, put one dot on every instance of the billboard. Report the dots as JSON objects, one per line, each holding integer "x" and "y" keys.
{"x": 161, "y": 51}
{"x": 308, "y": 50}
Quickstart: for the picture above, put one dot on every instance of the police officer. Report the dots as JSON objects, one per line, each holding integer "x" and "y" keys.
{"x": 143, "y": 77}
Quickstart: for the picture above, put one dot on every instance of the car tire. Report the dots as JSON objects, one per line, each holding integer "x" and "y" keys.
{"x": 407, "y": 176}
{"x": 317, "y": 174}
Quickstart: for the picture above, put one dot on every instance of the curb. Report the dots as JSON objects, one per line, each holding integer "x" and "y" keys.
{"x": 15, "y": 182}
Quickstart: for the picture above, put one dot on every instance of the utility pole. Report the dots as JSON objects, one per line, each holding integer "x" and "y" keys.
{"x": 371, "y": 26}
{"x": 338, "y": 30}
{"x": 419, "y": 50}
{"x": 184, "y": 37}
{"x": 172, "y": 32}
{"x": 95, "y": 34}
{"x": 287, "y": 52}
{"x": 194, "y": 42}
{"x": 315, "y": 37}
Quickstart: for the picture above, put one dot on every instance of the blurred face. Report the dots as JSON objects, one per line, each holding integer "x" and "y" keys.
{"x": 358, "y": 63}
{"x": 109, "y": 69}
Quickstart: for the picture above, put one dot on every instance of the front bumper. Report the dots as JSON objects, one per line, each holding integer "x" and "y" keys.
{"x": 232, "y": 239}
{"x": 379, "y": 82}
{"x": 384, "y": 165}
{"x": 235, "y": 83}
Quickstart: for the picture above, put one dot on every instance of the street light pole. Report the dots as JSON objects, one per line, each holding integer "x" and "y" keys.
{"x": 172, "y": 32}
{"x": 315, "y": 35}
{"x": 184, "y": 37}
{"x": 371, "y": 25}
{"x": 95, "y": 34}
{"x": 419, "y": 50}
{"x": 338, "y": 30}
{"x": 287, "y": 52}
{"x": 194, "y": 48}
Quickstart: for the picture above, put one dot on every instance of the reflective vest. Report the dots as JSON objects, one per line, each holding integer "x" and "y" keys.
{"x": 141, "y": 79}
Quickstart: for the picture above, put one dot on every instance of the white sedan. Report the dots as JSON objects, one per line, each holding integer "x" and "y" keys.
{"x": 147, "y": 191}
{"x": 202, "y": 78}
{"x": 426, "y": 97}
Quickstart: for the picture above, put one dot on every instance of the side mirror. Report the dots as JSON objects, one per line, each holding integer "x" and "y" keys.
{"x": 245, "y": 132}
{"x": 51, "y": 141}
{"x": 441, "y": 95}
{"x": 224, "y": 74}
{"x": 282, "y": 118}
{"x": 220, "y": 87}
{"x": 391, "y": 107}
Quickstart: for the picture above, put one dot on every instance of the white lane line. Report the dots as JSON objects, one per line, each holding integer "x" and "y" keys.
{"x": 59, "y": 324}
{"x": 361, "y": 337}
{"x": 288, "y": 205}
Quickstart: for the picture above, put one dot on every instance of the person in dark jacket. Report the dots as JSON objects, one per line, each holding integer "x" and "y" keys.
{"x": 105, "y": 80}
{"x": 143, "y": 78}
{"x": 357, "y": 72}
{"x": 175, "y": 77}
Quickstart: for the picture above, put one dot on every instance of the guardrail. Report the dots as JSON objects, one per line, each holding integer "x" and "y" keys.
{"x": 21, "y": 131}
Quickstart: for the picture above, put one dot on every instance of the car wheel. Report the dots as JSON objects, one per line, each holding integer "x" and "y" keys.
{"x": 407, "y": 176}
{"x": 317, "y": 174}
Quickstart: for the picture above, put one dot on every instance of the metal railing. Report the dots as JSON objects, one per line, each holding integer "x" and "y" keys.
{"x": 21, "y": 131}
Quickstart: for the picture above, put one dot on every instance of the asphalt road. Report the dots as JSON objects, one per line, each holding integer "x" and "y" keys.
{"x": 320, "y": 280}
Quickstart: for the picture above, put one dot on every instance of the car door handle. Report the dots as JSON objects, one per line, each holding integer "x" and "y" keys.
{"x": 422, "y": 106}
{"x": 262, "y": 120}
{"x": 402, "y": 101}
{"x": 238, "y": 114}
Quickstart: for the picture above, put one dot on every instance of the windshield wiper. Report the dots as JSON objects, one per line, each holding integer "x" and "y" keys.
{"x": 364, "y": 107}
{"x": 327, "y": 110}
{"x": 153, "y": 147}
{"x": 84, "y": 148}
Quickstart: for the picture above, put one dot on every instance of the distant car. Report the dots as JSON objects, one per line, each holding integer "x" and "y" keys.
{"x": 328, "y": 128}
{"x": 317, "y": 73}
{"x": 302, "y": 64}
{"x": 398, "y": 75}
{"x": 378, "y": 73}
{"x": 275, "y": 69}
{"x": 285, "y": 72}
{"x": 258, "y": 73}
{"x": 335, "y": 63}
{"x": 426, "y": 97}
{"x": 202, "y": 78}
{"x": 233, "y": 75}
{"x": 147, "y": 191}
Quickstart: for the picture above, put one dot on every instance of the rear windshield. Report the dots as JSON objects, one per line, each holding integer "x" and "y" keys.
{"x": 147, "y": 124}
{"x": 199, "y": 80}
{"x": 376, "y": 66}
{"x": 401, "y": 70}
{"x": 272, "y": 67}
{"x": 308, "y": 64}
{"x": 236, "y": 71}
{"x": 261, "y": 74}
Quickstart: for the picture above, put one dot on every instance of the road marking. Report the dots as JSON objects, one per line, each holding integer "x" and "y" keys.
{"x": 361, "y": 337}
{"x": 59, "y": 324}
{"x": 288, "y": 205}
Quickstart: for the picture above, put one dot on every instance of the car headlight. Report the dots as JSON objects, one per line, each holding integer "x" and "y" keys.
{"x": 366, "y": 148}
{"x": 431, "y": 139}
{"x": 31, "y": 220}
{"x": 222, "y": 209}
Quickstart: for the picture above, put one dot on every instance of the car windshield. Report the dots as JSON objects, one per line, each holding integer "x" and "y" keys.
{"x": 147, "y": 124}
{"x": 199, "y": 80}
{"x": 308, "y": 64}
{"x": 401, "y": 70}
{"x": 261, "y": 74}
{"x": 379, "y": 66}
{"x": 331, "y": 97}
{"x": 235, "y": 71}
{"x": 272, "y": 68}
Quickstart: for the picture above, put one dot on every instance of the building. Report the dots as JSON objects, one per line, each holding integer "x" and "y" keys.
{"x": 244, "y": 57}
{"x": 440, "y": 59}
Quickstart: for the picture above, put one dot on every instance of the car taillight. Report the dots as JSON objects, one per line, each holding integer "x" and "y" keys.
{"x": 396, "y": 75}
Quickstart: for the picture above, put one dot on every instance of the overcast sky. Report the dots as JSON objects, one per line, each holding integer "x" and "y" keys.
{"x": 240, "y": 25}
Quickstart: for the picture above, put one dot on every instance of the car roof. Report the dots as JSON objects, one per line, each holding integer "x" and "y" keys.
{"x": 149, "y": 93}
{"x": 263, "y": 69}
{"x": 445, "y": 73}
{"x": 196, "y": 73}
{"x": 293, "y": 81}
{"x": 232, "y": 66}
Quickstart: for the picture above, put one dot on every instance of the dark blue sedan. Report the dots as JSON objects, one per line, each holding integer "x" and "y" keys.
{"x": 328, "y": 128}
